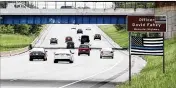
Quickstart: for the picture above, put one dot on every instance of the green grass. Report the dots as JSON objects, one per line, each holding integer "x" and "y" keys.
{"x": 14, "y": 41}
{"x": 120, "y": 37}
{"x": 151, "y": 76}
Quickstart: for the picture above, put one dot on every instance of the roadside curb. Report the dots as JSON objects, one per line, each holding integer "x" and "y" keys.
{"x": 25, "y": 49}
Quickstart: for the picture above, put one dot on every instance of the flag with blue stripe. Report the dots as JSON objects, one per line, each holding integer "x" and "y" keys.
{"x": 146, "y": 46}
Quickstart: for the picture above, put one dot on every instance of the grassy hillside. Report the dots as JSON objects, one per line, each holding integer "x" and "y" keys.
{"x": 151, "y": 76}
{"x": 14, "y": 41}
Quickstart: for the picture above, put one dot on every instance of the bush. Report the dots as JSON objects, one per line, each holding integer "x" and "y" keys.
{"x": 6, "y": 29}
{"x": 23, "y": 29}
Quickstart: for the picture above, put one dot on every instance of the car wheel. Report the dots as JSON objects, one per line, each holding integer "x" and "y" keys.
{"x": 31, "y": 59}
{"x": 112, "y": 57}
{"x": 100, "y": 56}
{"x": 45, "y": 59}
{"x": 71, "y": 61}
{"x": 55, "y": 61}
{"x": 78, "y": 54}
{"x": 88, "y": 54}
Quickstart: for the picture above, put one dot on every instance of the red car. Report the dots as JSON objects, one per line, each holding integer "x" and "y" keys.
{"x": 68, "y": 38}
{"x": 84, "y": 49}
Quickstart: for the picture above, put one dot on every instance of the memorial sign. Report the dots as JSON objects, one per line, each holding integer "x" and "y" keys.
{"x": 146, "y": 23}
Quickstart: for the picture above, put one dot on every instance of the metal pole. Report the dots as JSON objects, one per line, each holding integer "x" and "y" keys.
{"x": 129, "y": 58}
{"x": 163, "y": 55}
{"x": 55, "y": 4}
{"x": 75, "y": 4}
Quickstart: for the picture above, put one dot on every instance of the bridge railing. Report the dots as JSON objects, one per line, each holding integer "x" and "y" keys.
{"x": 118, "y": 11}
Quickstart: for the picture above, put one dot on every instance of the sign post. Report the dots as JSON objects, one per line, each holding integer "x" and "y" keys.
{"x": 145, "y": 45}
{"x": 129, "y": 59}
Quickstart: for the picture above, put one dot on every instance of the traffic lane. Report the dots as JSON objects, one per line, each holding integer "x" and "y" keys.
{"x": 83, "y": 66}
{"x": 28, "y": 69}
{"x": 61, "y": 31}
{"x": 78, "y": 72}
{"x": 75, "y": 74}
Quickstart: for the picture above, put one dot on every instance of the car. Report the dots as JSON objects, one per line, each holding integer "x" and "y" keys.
{"x": 53, "y": 41}
{"x": 79, "y": 31}
{"x": 70, "y": 45}
{"x": 106, "y": 52}
{"x": 38, "y": 53}
{"x": 85, "y": 39}
{"x": 68, "y": 38}
{"x": 64, "y": 55}
{"x": 88, "y": 28}
{"x": 84, "y": 49}
{"x": 97, "y": 36}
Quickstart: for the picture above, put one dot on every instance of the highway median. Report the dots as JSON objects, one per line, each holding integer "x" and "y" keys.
{"x": 151, "y": 76}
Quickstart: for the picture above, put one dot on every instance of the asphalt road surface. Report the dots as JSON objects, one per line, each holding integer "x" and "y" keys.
{"x": 86, "y": 71}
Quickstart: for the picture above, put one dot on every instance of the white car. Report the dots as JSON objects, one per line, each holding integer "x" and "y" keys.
{"x": 64, "y": 55}
{"x": 107, "y": 52}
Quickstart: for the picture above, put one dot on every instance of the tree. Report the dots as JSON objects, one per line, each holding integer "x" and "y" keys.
{"x": 35, "y": 29}
{"x": 22, "y": 29}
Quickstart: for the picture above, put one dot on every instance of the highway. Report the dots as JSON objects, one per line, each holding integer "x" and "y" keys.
{"x": 86, "y": 71}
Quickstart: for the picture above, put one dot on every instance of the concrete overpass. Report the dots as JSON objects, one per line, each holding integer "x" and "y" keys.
{"x": 69, "y": 16}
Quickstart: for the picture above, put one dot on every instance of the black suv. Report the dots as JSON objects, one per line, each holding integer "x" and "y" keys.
{"x": 70, "y": 45}
{"x": 38, "y": 53}
{"x": 79, "y": 31}
{"x": 85, "y": 39}
{"x": 97, "y": 36}
{"x": 53, "y": 40}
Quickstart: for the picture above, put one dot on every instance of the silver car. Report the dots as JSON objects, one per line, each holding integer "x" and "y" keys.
{"x": 64, "y": 55}
{"x": 106, "y": 52}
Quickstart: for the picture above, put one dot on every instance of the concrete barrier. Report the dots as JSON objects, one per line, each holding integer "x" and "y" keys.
{"x": 25, "y": 49}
